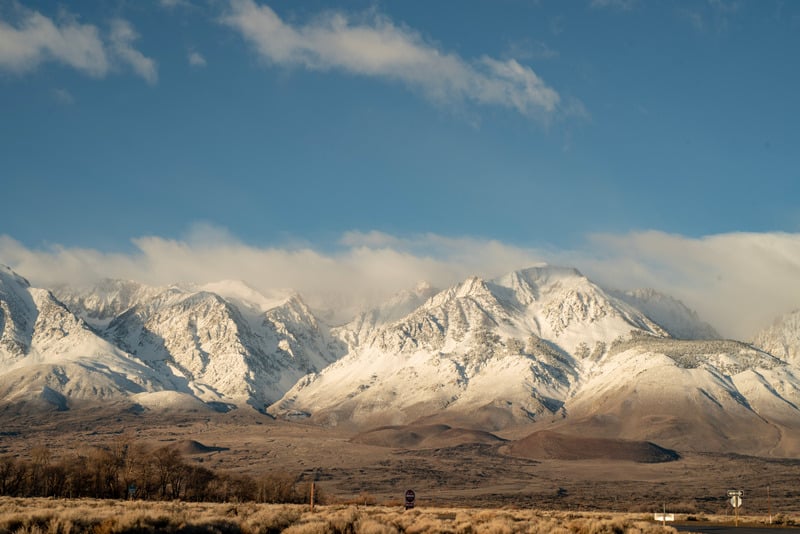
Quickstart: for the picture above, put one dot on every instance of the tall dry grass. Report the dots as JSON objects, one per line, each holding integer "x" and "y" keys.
{"x": 51, "y": 516}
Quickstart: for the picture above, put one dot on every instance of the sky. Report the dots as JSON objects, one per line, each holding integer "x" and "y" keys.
{"x": 350, "y": 149}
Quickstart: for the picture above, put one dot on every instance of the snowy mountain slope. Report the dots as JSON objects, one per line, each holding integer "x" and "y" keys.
{"x": 100, "y": 303}
{"x": 557, "y": 304}
{"x": 694, "y": 395}
{"x": 503, "y": 349}
{"x": 669, "y": 313}
{"x": 361, "y": 329}
{"x": 18, "y": 315}
{"x": 543, "y": 346}
{"x": 494, "y": 382}
{"x": 782, "y": 338}
{"x": 547, "y": 345}
{"x": 222, "y": 340}
{"x": 50, "y": 357}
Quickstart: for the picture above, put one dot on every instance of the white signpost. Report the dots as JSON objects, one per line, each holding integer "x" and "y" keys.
{"x": 664, "y": 516}
{"x": 736, "y": 502}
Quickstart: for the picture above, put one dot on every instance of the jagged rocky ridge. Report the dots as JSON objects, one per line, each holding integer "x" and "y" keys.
{"x": 123, "y": 341}
{"x": 543, "y": 345}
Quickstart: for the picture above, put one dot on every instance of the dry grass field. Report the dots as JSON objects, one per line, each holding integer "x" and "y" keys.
{"x": 26, "y": 516}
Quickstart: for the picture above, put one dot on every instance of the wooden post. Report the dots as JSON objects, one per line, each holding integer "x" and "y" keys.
{"x": 769, "y": 506}
{"x": 312, "y": 497}
{"x": 664, "y": 517}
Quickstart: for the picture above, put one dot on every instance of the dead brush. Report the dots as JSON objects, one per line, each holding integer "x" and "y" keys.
{"x": 272, "y": 519}
{"x": 312, "y": 526}
{"x": 373, "y": 526}
{"x": 48, "y": 516}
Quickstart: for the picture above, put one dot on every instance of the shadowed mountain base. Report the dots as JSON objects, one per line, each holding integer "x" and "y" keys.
{"x": 554, "y": 446}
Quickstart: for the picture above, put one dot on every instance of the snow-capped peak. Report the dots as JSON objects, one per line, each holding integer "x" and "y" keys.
{"x": 242, "y": 292}
{"x": 7, "y": 276}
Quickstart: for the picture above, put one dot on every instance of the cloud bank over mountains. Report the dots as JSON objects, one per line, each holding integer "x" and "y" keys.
{"x": 739, "y": 282}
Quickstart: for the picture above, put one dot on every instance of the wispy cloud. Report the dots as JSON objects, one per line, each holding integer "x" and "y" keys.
{"x": 694, "y": 18}
{"x": 36, "y": 39}
{"x": 379, "y": 48}
{"x": 738, "y": 282}
{"x": 62, "y": 96}
{"x": 715, "y": 15}
{"x": 196, "y": 59}
{"x": 122, "y": 37}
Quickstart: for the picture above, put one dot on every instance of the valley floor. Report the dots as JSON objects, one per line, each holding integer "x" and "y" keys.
{"x": 474, "y": 475}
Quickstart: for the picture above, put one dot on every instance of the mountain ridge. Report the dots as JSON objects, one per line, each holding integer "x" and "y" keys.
{"x": 540, "y": 346}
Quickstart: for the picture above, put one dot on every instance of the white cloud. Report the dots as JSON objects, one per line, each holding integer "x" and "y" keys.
{"x": 196, "y": 59}
{"x": 738, "y": 282}
{"x": 379, "y": 48}
{"x": 37, "y": 39}
{"x": 122, "y": 37}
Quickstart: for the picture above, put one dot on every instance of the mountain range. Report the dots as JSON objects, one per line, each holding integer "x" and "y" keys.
{"x": 543, "y": 347}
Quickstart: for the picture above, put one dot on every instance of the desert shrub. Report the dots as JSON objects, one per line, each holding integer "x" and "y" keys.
{"x": 315, "y": 526}
{"x": 426, "y": 525}
{"x": 107, "y": 526}
{"x": 342, "y": 521}
{"x": 364, "y": 499}
{"x": 782, "y": 519}
{"x": 684, "y": 507}
{"x": 268, "y": 520}
{"x": 596, "y": 526}
{"x": 498, "y": 525}
{"x": 371, "y": 526}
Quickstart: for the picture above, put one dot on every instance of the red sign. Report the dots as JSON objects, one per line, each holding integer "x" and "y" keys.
{"x": 410, "y": 497}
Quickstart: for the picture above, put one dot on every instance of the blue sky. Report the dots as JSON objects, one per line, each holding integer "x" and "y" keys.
{"x": 538, "y": 125}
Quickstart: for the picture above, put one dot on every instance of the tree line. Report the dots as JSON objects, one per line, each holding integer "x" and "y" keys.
{"x": 129, "y": 470}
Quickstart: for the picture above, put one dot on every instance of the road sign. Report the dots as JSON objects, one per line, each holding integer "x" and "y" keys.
{"x": 663, "y": 517}
{"x": 735, "y": 493}
{"x": 736, "y": 501}
{"x": 410, "y": 498}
